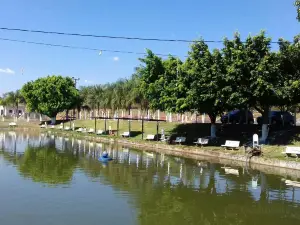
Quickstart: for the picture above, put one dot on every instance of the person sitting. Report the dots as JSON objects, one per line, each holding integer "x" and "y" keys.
{"x": 105, "y": 154}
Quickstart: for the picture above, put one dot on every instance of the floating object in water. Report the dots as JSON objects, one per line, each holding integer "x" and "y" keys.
{"x": 104, "y": 157}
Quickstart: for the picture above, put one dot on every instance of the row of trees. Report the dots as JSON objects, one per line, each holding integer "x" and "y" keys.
{"x": 241, "y": 75}
{"x": 123, "y": 94}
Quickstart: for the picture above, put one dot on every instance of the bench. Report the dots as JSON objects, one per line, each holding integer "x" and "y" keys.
{"x": 99, "y": 132}
{"x": 12, "y": 124}
{"x": 180, "y": 140}
{"x": 79, "y": 129}
{"x": 67, "y": 128}
{"x": 165, "y": 138}
{"x": 292, "y": 150}
{"x": 231, "y": 144}
{"x": 150, "y": 137}
{"x": 202, "y": 141}
{"x": 126, "y": 134}
{"x": 91, "y": 130}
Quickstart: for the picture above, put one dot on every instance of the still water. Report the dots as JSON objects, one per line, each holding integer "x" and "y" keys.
{"x": 46, "y": 179}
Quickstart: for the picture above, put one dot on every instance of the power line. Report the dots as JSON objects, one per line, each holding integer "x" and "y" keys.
{"x": 81, "y": 48}
{"x": 111, "y": 37}
{"x": 104, "y": 36}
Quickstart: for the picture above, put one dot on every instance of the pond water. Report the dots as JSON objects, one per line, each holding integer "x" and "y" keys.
{"x": 46, "y": 179}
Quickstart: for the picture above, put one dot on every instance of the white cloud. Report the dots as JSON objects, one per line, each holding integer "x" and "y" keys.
{"x": 116, "y": 58}
{"x": 7, "y": 70}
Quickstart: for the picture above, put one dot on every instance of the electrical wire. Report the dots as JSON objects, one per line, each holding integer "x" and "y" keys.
{"x": 103, "y": 36}
{"x": 111, "y": 37}
{"x": 81, "y": 48}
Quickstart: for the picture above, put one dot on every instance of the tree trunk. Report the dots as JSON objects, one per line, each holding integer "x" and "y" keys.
{"x": 265, "y": 129}
{"x": 17, "y": 113}
{"x": 213, "y": 129}
{"x": 247, "y": 116}
{"x": 78, "y": 113}
{"x": 53, "y": 120}
{"x": 295, "y": 116}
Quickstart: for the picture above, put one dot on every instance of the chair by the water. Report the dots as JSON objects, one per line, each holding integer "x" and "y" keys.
{"x": 202, "y": 141}
{"x": 180, "y": 140}
{"x": 231, "y": 144}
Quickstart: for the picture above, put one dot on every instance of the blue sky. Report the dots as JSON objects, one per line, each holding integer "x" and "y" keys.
{"x": 189, "y": 19}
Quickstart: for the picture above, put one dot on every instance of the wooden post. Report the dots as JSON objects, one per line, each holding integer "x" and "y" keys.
{"x": 157, "y": 127}
{"x": 118, "y": 126}
{"x": 142, "y": 128}
{"x": 95, "y": 124}
{"x": 129, "y": 126}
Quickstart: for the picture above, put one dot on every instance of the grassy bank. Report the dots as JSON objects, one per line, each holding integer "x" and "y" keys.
{"x": 192, "y": 131}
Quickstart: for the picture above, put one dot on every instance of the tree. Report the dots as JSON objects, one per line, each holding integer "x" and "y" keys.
{"x": 259, "y": 77}
{"x": 204, "y": 82}
{"x": 14, "y": 99}
{"x": 254, "y": 74}
{"x": 50, "y": 95}
{"x": 149, "y": 72}
{"x": 169, "y": 82}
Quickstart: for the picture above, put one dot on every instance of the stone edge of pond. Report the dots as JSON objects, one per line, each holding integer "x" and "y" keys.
{"x": 292, "y": 165}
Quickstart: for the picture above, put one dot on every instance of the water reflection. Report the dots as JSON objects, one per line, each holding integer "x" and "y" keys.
{"x": 162, "y": 189}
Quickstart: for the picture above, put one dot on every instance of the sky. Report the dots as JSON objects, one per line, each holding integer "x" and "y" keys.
{"x": 189, "y": 19}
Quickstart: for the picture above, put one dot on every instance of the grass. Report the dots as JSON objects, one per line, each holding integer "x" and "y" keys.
{"x": 21, "y": 123}
{"x": 136, "y": 126}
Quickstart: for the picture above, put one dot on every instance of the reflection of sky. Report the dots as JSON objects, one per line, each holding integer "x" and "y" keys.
{"x": 223, "y": 185}
{"x": 255, "y": 191}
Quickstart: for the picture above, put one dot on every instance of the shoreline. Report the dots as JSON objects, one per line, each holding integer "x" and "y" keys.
{"x": 231, "y": 157}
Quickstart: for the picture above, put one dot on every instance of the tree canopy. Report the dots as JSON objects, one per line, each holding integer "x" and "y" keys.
{"x": 50, "y": 95}
{"x": 240, "y": 75}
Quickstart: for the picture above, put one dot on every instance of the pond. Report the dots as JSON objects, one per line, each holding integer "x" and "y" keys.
{"x": 47, "y": 179}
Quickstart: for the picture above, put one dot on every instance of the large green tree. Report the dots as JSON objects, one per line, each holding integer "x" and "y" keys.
{"x": 50, "y": 95}
{"x": 205, "y": 82}
{"x": 150, "y": 72}
{"x": 262, "y": 78}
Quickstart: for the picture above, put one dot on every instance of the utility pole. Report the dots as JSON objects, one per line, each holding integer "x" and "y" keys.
{"x": 75, "y": 83}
